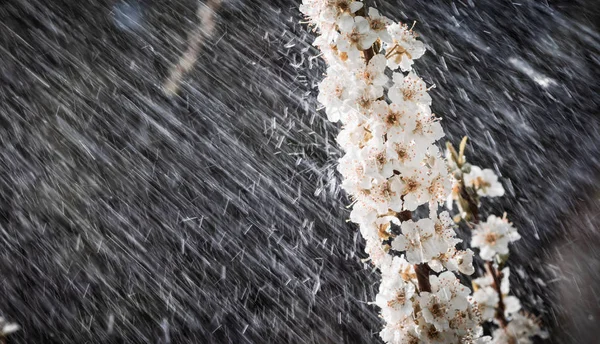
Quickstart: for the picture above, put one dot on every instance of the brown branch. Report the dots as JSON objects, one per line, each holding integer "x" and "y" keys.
{"x": 368, "y": 54}
{"x": 497, "y": 282}
{"x": 423, "y": 271}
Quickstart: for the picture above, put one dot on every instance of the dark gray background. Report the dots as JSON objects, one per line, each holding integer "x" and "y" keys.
{"x": 215, "y": 216}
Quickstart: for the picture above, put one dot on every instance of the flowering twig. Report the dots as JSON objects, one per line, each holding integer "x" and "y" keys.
{"x": 492, "y": 237}
{"x": 497, "y": 278}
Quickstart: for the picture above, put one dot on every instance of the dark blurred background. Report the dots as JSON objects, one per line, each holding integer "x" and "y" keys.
{"x": 214, "y": 215}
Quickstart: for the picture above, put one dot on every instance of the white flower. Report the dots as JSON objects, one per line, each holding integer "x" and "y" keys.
{"x": 373, "y": 75}
{"x": 427, "y": 131}
{"x": 356, "y": 36}
{"x": 395, "y": 298}
{"x": 394, "y": 121}
{"x": 401, "y": 153}
{"x": 400, "y": 332}
{"x": 493, "y": 236}
{"x": 355, "y": 178}
{"x": 379, "y": 25}
{"x": 373, "y": 72}
{"x": 376, "y": 252}
{"x": 447, "y": 298}
{"x": 511, "y": 303}
{"x": 383, "y": 196}
{"x": 410, "y": 88}
{"x": 462, "y": 261}
{"x": 375, "y": 161}
{"x": 422, "y": 186}
{"x": 398, "y": 266}
{"x": 448, "y": 284}
{"x": 354, "y": 135}
{"x": 404, "y": 47}
{"x": 487, "y": 301}
{"x": 334, "y": 92}
{"x": 436, "y": 310}
{"x": 484, "y": 181}
{"x": 362, "y": 213}
{"x": 378, "y": 229}
{"x": 487, "y": 297}
{"x": 519, "y": 331}
{"x": 328, "y": 11}
{"x": 418, "y": 240}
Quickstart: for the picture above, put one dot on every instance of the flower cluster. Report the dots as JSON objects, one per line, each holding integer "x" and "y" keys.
{"x": 391, "y": 167}
{"x": 443, "y": 315}
{"x": 520, "y": 327}
{"x": 492, "y": 238}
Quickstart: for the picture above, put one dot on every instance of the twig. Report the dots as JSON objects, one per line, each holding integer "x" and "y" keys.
{"x": 489, "y": 266}
{"x": 206, "y": 15}
{"x": 423, "y": 271}
{"x": 497, "y": 278}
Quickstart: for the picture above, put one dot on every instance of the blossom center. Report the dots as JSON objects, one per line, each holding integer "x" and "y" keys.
{"x": 491, "y": 238}
{"x": 399, "y": 299}
{"x": 481, "y": 183}
{"x": 402, "y": 152}
{"x": 411, "y": 185}
{"x": 377, "y": 25}
{"x": 393, "y": 119}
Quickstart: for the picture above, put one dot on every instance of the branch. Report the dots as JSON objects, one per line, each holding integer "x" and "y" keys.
{"x": 206, "y": 15}
{"x": 423, "y": 271}
{"x": 497, "y": 278}
{"x": 473, "y": 211}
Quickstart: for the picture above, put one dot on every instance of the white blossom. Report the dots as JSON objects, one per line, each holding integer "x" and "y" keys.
{"x": 355, "y": 36}
{"x": 379, "y": 24}
{"x": 448, "y": 315}
{"x": 375, "y": 161}
{"x": 334, "y": 94}
{"x": 461, "y": 261}
{"x": 519, "y": 331}
{"x": 493, "y": 236}
{"x": 373, "y": 74}
{"x": 419, "y": 241}
{"x": 324, "y": 14}
{"x": 409, "y": 89}
{"x": 484, "y": 181}
{"x": 487, "y": 300}
{"x": 395, "y": 298}
{"x": 404, "y": 48}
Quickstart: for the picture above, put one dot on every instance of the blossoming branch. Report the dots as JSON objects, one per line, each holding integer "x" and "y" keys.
{"x": 390, "y": 168}
{"x": 492, "y": 238}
